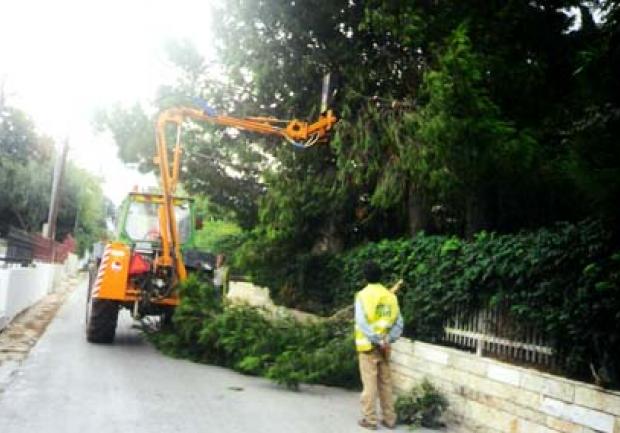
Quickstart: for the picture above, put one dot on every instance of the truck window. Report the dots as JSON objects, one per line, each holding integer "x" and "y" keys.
{"x": 142, "y": 222}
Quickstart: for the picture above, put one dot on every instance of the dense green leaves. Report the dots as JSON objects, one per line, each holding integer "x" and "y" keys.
{"x": 219, "y": 233}
{"x": 422, "y": 406}
{"x": 19, "y": 141}
{"x": 455, "y": 117}
{"x": 132, "y": 130}
{"x": 84, "y": 211}
{"x": 563, "y": 281}
{"x": 251, "y": 341}
{"x": 26, "y": 170}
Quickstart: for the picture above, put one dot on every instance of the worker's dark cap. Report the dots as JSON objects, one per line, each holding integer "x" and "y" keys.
{"x": 372, "y": 272}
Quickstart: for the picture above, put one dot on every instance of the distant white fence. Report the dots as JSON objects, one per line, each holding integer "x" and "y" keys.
{"x": 491, "y": 331}
{"x": 21, "y": 287}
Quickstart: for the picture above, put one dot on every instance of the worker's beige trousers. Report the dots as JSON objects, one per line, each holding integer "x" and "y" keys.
{"x": 376, "y": 379}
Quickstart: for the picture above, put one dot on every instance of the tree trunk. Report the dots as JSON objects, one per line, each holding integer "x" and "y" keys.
{"x": 418, "y": 212}
{"x": 330, "y": 240}
{"x": 476, "y": 214}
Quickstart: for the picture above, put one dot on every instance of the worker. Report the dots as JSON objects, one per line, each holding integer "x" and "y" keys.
{"x": 221, "y": 276}
{"x": 378, "y": 323}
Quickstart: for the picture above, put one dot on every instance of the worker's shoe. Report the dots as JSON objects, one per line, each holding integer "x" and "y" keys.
{"x": 388, "y": 425}
{"x": 367, "y": 424}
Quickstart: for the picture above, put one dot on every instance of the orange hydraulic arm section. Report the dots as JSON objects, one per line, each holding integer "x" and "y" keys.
{"x": 298, "y": 133}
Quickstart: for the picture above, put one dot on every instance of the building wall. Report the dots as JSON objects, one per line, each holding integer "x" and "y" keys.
{"x": 21, "y": 287}
{"x": 487, "y": 396}
{"x": 4, "y": 282}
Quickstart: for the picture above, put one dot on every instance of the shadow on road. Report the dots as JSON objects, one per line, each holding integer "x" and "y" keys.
{"x": 130, "y": 339}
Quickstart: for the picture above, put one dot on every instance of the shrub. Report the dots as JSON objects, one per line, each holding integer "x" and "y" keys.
{"x": 422, "y": 406}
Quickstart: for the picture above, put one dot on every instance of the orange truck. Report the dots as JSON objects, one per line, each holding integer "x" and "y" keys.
{"x": 154, "y": 246}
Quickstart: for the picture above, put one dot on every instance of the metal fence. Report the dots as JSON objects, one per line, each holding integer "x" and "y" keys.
{"x": 23, "y": 248}
{"x": 492, "y": 332}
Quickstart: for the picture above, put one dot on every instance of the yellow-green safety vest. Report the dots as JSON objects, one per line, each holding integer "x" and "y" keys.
{"x": 381, "y": 309}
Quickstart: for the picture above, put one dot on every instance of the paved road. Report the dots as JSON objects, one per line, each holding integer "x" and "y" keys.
{"x": 68, "y": 385}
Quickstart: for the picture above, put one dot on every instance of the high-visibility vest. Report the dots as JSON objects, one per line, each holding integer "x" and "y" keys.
{"x": 381, "y": 309}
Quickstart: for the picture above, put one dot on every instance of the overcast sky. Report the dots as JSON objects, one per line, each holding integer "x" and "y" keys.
{"x": 62, "y": 59}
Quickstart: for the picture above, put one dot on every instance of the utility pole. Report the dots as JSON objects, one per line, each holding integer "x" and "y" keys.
{"x": 56, "y": 185}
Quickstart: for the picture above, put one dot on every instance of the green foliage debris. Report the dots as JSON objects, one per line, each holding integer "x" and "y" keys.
{"x": 252, "y": 341}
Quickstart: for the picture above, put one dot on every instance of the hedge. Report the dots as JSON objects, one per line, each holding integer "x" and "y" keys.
{"x": 563, "y": 280}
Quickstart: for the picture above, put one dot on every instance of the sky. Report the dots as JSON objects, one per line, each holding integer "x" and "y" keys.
{"x": 61, "y": 60}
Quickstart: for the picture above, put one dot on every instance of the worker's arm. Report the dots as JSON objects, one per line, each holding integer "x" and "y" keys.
{"x": 362, "y": 323}
{"x": 396, "y": 330}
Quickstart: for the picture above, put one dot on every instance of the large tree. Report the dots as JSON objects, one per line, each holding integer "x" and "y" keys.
{"x": 26, "y": 170}
{"x": 455, "y": 116}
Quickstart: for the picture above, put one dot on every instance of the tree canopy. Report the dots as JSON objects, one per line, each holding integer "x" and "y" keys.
{"x": 455, "y": 117}
{"x": 26, "y": 170}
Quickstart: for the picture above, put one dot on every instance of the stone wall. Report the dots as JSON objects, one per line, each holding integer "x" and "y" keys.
{"x": 487, "y": 396}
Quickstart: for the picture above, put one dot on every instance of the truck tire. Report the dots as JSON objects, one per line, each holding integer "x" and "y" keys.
{"x": 101, "y": 321}
{"x": 92, "y": 275}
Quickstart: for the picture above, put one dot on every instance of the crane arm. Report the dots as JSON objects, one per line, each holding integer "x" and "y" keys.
{"x": 298, "y": 133}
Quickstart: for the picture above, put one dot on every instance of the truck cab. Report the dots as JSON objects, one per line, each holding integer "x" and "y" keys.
{"x": 139, "y": 226}
{"x": 130, "y": 275}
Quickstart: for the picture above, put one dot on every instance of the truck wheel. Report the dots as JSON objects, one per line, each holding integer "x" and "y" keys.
{"x": 101, "y": 320}
{"x": 92, "y": 275}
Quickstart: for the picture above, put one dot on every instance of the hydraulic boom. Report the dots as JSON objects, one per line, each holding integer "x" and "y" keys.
{"x": 298, "y": 133}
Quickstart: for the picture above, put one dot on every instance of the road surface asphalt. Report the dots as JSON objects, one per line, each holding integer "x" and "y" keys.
{"x": 71, "y": 386}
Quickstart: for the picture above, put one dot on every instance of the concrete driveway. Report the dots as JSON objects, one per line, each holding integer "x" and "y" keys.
{"x": 68, "y": 385}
